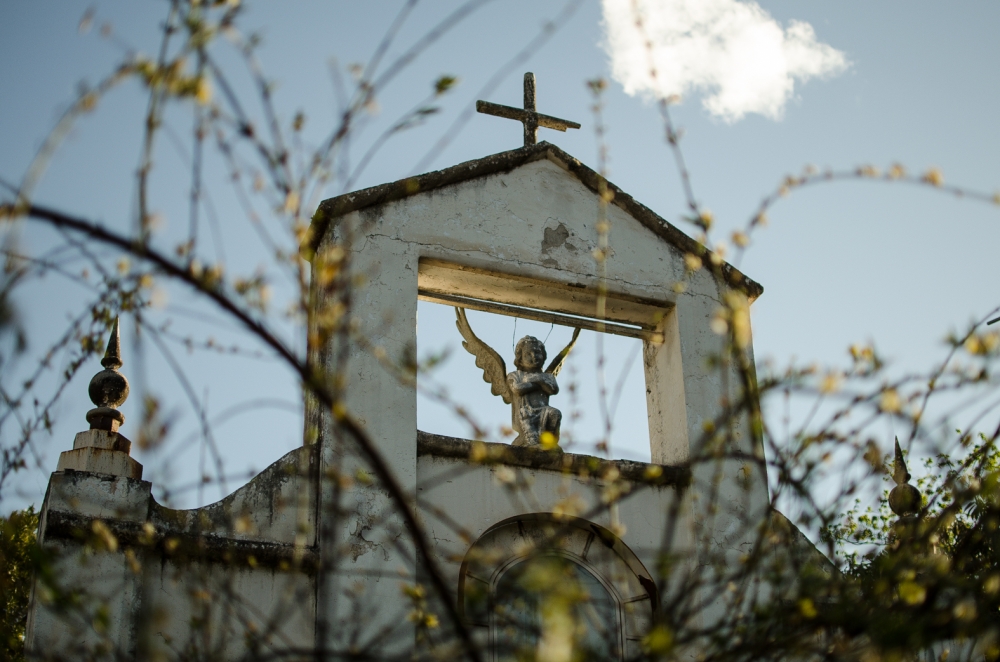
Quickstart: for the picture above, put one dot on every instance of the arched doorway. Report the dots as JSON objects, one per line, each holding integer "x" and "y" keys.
{"x": 537, "y": 584}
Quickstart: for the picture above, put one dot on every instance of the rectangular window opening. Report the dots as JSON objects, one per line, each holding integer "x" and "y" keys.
{"x": 602, "y": 389}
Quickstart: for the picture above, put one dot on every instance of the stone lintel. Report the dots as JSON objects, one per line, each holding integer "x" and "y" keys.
{"x": 487, "y": 453}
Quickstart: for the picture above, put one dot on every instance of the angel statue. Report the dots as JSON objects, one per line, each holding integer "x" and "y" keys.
{"x": 528, "y": 388}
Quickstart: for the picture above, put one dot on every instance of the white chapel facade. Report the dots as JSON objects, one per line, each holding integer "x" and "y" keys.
{"x": 321, "y": 552}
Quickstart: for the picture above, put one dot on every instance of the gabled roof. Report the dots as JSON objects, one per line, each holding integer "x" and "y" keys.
{"x": 505, "y": 162}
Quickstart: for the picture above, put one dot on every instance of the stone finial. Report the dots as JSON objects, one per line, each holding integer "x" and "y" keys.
{"x": 904, "y": 499}
{"x": 109, "y": 388}
{"x": 102, "y": 449}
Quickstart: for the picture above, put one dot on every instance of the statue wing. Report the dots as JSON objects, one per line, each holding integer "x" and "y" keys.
{"x": 492, "y": 364}
{"x": 557, "y": 363}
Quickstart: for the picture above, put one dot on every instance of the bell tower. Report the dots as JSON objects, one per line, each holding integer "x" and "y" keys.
{"x": 476, "y": 236}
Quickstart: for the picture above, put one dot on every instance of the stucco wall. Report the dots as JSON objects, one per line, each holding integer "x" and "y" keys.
{"x": 136, "y": 579}
{"x": 248, "y": 563}
{"x": 538, "y": 221}
{"x": 478, "y": 495}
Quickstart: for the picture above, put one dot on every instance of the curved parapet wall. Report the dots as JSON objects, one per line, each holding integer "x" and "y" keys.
{"x": 277, "y": 505}
{"x": 161, "y": 580}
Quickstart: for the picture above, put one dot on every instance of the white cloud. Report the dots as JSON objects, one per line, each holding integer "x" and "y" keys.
{"x": 732, "y": 52}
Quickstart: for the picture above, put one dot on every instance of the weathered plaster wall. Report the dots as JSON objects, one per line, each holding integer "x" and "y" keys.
{"x": 248, "y": 563}
{"x": 538, "y": 221}
{"x": 476, "y": 496}
{"x": 149, "y": 577}
{"x": 238, "y": 601}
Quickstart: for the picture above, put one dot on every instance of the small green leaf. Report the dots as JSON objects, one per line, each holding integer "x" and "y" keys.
{"x": 444, "y": 83}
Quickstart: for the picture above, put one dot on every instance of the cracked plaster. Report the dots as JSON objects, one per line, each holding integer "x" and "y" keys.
{"x": 531, "y": 213}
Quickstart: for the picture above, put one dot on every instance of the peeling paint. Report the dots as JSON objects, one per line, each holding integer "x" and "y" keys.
{"x": 554, "y": 237}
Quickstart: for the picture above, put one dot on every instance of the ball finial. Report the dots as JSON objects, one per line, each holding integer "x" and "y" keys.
{"x": 109, "y": 388}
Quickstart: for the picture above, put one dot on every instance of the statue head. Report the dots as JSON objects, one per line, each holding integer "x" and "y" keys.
{"x": 529, "y": 354}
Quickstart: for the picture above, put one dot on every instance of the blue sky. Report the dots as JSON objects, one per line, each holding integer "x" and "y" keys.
{"x": 842, "y": 263}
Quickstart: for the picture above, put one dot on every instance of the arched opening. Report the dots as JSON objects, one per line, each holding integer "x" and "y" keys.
{"x": 541, "y": 587}
{"x": 548, "y": 602}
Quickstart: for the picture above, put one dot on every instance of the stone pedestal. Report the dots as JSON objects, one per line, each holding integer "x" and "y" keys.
{"x": 101, "y": 452}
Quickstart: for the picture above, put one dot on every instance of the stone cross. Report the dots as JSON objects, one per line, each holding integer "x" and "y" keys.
{"x": 527, "y": 116}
